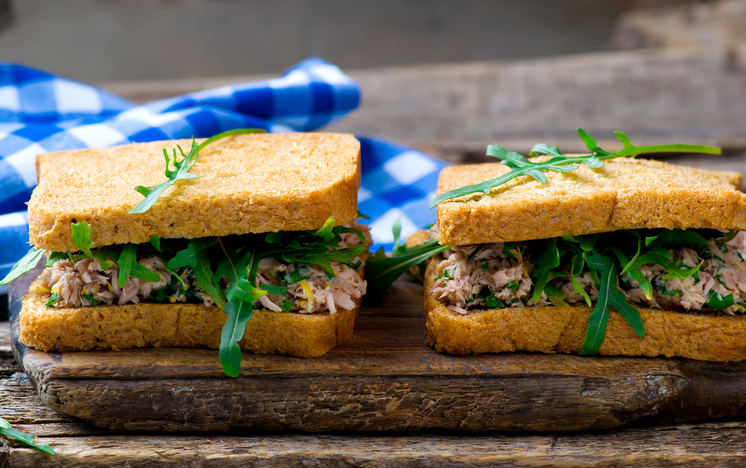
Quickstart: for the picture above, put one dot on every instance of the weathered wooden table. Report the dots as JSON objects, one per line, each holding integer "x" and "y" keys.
{"x": 80, "y": 444}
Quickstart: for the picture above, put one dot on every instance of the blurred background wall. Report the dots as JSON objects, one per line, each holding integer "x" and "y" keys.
{"x": 120, "y": 40}
{"x": 444, "y": 76}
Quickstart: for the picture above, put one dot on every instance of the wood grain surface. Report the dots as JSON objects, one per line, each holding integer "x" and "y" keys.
{"x": 384, "y": 379}
{"x": 80, "y": 444}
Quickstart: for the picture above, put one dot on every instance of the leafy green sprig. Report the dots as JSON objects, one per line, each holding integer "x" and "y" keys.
{"x": 239, "y": 260}
{"x": 519, "y": 165}
{"x": 607, "y": 258}
{"x": 181, "y": 168}
{"x": 9, "y": 431}
{"x": 381, "y": 271}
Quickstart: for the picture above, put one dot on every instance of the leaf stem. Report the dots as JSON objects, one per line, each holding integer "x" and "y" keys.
{"x": 520, "y": 166}
{"x": 635, "y": 150}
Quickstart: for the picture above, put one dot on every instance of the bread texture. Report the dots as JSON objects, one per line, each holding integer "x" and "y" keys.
{"x": 551, "y": 329}
{"x": 177, "y": 325}
{"x": 625, "y": 193}
{"x": 247, "y": 184}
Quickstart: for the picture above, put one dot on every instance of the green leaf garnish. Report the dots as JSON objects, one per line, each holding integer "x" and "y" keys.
{"x": 381, "y": 271}
{"x": 24, "y": 265}
{"x": 9, "y": 431}
{"x": 126, "y": 259}
{"x": 609, "y": 296}
{"x": 325, "y": 232}
{"x": 719, "y": 302}
{"x": 181, "y": 168}
{"x": 155, "y": 241}
{"x": 273, "y": 289}
{"x": 558, "y": 162}
{"x": 239, "y": 313}
{"x": 81, "y": 238}
{"x": 52, "y": 300}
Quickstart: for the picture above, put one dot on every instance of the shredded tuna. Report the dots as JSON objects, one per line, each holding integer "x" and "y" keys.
{"x": 313, "y": 290}
{"x": 484, "y": 276}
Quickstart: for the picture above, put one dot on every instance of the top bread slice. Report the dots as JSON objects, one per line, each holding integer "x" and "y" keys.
{"x": 625, "y": 193}
{"x": 247, "y": 184}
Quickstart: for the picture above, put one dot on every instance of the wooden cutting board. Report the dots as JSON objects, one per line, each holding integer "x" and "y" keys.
{"x": 384, "y": 379}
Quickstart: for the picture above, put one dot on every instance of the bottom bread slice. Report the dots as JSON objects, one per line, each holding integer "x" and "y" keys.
{"x": 177, "y": 325}
{"x": 707, "y": 337}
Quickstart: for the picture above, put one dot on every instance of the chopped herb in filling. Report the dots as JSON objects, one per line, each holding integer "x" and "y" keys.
{"x": 684, "y": 270}
{"x": 303, "y": 272}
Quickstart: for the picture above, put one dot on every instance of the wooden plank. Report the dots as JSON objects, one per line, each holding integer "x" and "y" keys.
{"x": 384, "y": 379}
{"x": 697, "y": 24}
{"x": 80, "y": 444}
{"x": 652, "y": 95}
{"x": 672, "y": 446}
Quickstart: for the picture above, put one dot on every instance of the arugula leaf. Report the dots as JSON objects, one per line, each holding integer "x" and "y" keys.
{"x": 55, "y": 257}
{"x": 155, "y": 241}
{"x": 381, "y": 271}
{"x": 181, "y": 169}
{"x": 576, "y": 270}
{"x": 399, "y": 247}
{"x": 549, "y": 258}
{"x": 81, "y": 238}
{"x": 126, "y": 259}
{"x": 24, "y": 265}
{"x": 558, "y": 162}
{"x": 188, "y": 256}
{"x": 326, "y": 231}
{"x": 143, "y": 273}
{"x": 633, "y": 270}
{"x": 493, "y": 302}
{"x": 609, "y": 296}
{"x": 239, "y": 313}
{"x": 52, "y": 300}
{"x": 9, "y": 431}
{"x": 719, "y": 302}
{"x": 680, "y": 271}
{"x": 195, "y": 257}
{"x": 669, "y": 239}
{"x": 556, "y": 296}
{"x": 273, "y": 289}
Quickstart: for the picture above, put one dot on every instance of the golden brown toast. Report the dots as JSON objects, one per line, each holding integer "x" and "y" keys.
{"x": 177, "y": 325}
{"x": 552, "y": 329}
{"x": 247, "y": 184}
{"x": 625, "y": 193}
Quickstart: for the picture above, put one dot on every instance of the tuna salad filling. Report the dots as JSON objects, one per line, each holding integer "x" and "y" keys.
{"x": 681, "y": 270}
{"x": 317, "y": 272}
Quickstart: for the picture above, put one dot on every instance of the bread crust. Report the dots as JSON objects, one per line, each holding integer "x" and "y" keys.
{"x": 177, "y": 325}
{"x": 562, "y": 330}
{"x": 247, "y": 184}
{"x": 624, "y": 194}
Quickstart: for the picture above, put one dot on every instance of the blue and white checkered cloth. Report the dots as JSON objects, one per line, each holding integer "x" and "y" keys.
{"x": 41, "y": 112}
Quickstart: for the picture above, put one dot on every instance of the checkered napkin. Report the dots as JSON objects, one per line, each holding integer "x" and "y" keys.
{"x": 41, "y": 112}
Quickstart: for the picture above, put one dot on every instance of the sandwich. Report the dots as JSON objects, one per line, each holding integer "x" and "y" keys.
{"x": 588, "y": 254}
{"x": 250, "y": 244}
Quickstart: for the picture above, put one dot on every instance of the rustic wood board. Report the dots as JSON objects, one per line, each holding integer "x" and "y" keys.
{"x": 384, "y": 379}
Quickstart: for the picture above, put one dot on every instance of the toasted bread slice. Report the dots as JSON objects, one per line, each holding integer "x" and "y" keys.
{"x": 624, "y": 194}
{"x": 247, "y": 184}
{"x": 707, "y": 337}
{"x": 177, "y": 325}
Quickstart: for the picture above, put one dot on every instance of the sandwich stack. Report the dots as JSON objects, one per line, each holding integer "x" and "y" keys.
{"x": 634, "y": 258}
{"x": 258, "y": 241}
